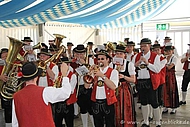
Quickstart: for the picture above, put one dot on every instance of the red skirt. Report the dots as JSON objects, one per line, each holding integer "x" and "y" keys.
{"x": 171, "y": 96}
{"x": 124, "y": 107}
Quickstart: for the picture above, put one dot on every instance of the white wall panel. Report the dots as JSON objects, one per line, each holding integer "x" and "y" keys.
{"x": 17, "y": 33}
{"x": 74, "y": 33}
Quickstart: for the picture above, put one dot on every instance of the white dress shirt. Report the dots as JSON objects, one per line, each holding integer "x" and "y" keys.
{"x": 163, "y": 62}
{"x": 184, "y": 56}
{"x": 69, "y": 55}
{"x": 173, "y": 59}
{"x": 49, "y": 95}
{"x": 131, "y": 67}
{"x": 73, "y": 82}
{"x": 155, "y": 67}
{"x": 129, "y": 55}
{"x": 114, "y": 77}
{"x": 43, "y": 80}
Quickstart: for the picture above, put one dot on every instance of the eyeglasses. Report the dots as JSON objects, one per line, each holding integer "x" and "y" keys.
{"x": 100, "y": 58}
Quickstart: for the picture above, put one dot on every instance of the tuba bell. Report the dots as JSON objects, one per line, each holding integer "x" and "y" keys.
{"x": 58, "y": 39}
{"x": 12, "y": 85}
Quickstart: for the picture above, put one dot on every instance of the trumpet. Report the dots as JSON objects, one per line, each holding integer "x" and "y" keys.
{"x": 88, "y": 78}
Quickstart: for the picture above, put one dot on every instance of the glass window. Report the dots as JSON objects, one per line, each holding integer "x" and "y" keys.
{"x": 177, "y": 43}
{"x": 185, "y": 41}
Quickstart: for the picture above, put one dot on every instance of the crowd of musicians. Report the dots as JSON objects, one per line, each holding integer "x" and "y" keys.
{"x": 106, "y": 83}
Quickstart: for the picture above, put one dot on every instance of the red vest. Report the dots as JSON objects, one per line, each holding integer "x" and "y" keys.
{"x": 96, "y": 61}
{"x": 31, "y": 111}
{"x": 162, "y": 49}
{"x": 49, "y": 81}
{"x": 162, "y": 73}
{"x": 22, "y": 52}
{"x": 1, "y": 68}
{"x": 73, "y": 97}
{"x": 110, "y": 94}
{"x": 155, "y": 77}
{"x": 186, "y": 64}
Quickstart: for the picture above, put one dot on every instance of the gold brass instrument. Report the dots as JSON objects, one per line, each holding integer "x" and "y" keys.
{"x": 43, "y": 64}
{"x": 11, "y": 86}
{"x": 61, "y": 50}
{"x": 37, "y": 46}
{"x": 110, "y": 46}
{"x": 122, "y": 43}
{"x": 88, "y": 78}
{"x": 57, "y": 82}
{"x": 13, "y": 83}
{"x": 58, "y": 39}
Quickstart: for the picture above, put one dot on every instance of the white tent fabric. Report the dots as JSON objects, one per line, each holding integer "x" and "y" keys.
{"x": 90, "y": 13}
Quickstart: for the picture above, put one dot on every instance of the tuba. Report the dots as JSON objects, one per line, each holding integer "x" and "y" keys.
{"x": 58, "y": 39}
{"x": 12, "y": 85}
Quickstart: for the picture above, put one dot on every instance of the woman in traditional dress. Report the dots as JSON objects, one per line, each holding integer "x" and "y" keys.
{"x": 171, "y": 96}
{"x": 124, "y": 108}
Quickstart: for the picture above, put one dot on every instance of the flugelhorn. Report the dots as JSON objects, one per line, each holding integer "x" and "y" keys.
{"x": 43, "y": 64}
{"x": 37, "y": 46}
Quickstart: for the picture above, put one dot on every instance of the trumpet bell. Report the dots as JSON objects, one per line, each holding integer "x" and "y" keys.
{"x": 88, "y": 79}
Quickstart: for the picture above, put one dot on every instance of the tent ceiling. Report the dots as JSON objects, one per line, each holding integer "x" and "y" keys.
{"x": 90, "y": 13}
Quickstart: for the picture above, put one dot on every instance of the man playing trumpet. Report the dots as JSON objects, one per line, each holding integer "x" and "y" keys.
{"x": 103, "y": 92}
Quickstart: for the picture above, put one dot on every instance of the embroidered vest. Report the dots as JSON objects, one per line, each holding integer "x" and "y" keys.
{"x": 49, "y": 81}
{"x": 155, "y": 77}
{"x": 72, "y": 99}
{"x": 110, "y": 94}
{"x": 186, "y": 64}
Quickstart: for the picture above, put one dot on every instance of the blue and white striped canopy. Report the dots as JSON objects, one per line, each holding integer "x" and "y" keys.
{"x": 91, "y": 13}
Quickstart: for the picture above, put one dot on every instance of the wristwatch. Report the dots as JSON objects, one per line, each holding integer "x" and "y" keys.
{"x": 104, "y": 77}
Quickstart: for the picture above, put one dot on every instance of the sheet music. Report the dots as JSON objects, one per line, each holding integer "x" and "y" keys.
{"x": 82, "y": 70}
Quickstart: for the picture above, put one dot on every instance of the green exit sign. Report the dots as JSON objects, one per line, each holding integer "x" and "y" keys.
{"x": 162, "y": 26}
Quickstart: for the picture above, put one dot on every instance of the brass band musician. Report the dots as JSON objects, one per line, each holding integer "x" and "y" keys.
{"x": 84, "y": 94}
{"x": 103, "y": 93}
{"x": 51, "y": 69}
{"x": 6, "y": 104}
{"x": 186, "y": 76}
{"x": 65, "y": 109}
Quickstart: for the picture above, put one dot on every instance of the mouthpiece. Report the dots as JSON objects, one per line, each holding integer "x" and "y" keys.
{"x": 101, "y": 64}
